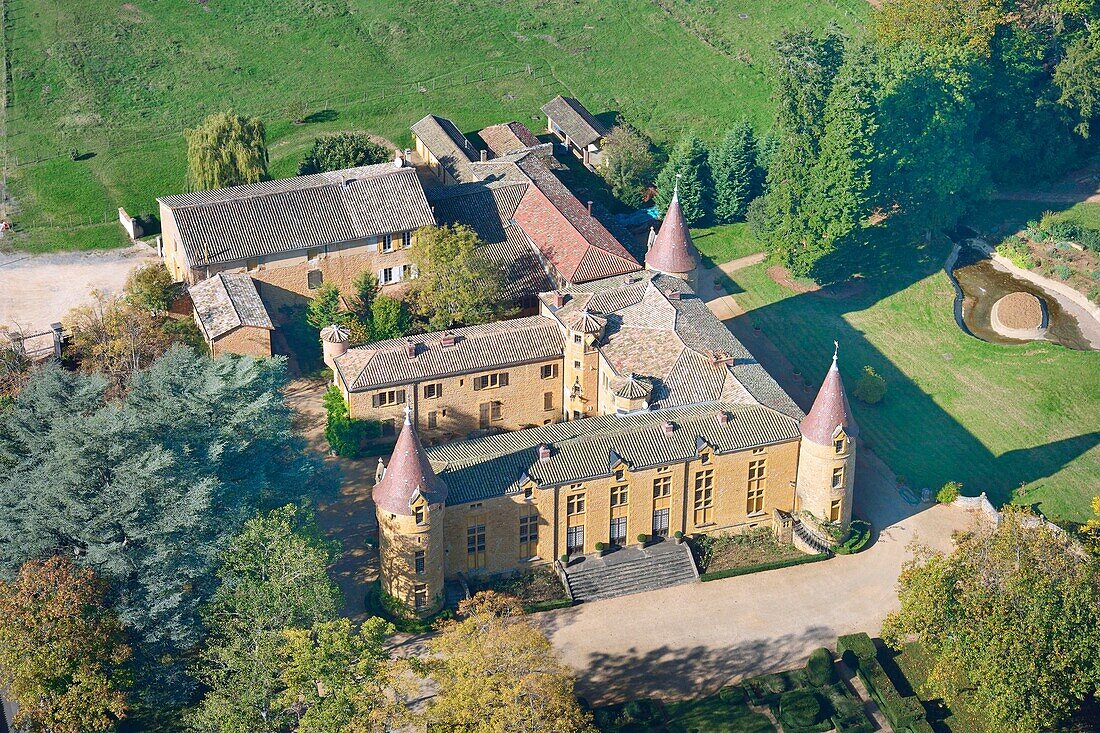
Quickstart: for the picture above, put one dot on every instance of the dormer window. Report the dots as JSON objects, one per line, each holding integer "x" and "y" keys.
{"x": 420, "y": 513}
{"x": 838, "y": 444}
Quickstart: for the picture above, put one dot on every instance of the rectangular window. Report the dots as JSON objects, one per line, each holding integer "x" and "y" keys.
{"x": 757, "y": 451}
{"x": 432, "y": 391}
{"x": 418, "y": 562}
{"x": 386, "y": 275}
{"x": 662, "y": 487}
{"x": 660, "y": 522}
{"x": 548, "y": 400}
{"x": 419, "y": 514}
{"x": 495, "y": 411}
{"x": 754, "y": 499}
{"x": 406, "y": 240}
{"x": 620, "y": 474}
{"x": 433, "y": 419}
{"x": 618, "y": 496}
{"x": 838, "y": 445}
{"x": 576, "y": 338}
{"x": 252, "y": 264}
{"x": 705, "y": 458}
{"x": 491, "y": 381}
{"x": 838, "y": 478}
{"x": 313, "y": 254}
{"x": 314, "y": 278}
{"x": 574, "y": 504}
{"x": 389, "y": 428}
{"x": 528, "y": 536}
{"x": 548, "y": 371}
{"x": 704, "y": 497}
{"x": 387, "y": 243}
{"x": 420, "y": 596}
{"x": 618, "y": 531}
{"x": 574, "y": 539}
{"x": 576, "y": 364}
{"x": 834, "y": 511}
{"x": 389, "y": 398}
{"x": 475, "y": 546}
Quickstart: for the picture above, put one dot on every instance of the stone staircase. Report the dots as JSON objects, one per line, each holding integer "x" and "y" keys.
{"x": 631, "y": 570}
{"x": 812, "y": 540}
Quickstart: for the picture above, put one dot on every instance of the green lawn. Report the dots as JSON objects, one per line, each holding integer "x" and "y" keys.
{"x": 725, "y": 242}
{"x": 121, "y": 80}
{"x": 1019, "y": 422}
{"x": 1005, "y": 217}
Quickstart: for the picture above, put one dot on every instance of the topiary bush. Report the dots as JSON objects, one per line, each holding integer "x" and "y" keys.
{"x": 871, "y": 387}
{"x": 801, "y": 710}
{"x": 856, "y": 649}
{"x": 948, "y": 492}
{"x": 819, "y": 667}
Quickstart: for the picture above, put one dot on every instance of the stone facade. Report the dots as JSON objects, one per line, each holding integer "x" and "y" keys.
{"x": 826, "y": 475}
{"x": 247, "y": 340}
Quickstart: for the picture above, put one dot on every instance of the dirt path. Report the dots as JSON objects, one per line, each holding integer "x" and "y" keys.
{"x": 37, "y": 290}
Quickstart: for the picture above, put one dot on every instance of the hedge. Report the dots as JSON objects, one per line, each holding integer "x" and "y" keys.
{"x": 749, "y": 569}
{"x": 548, "y": 605}
{"x": 855, "y": 648}
{"x": 802, "y": 711}
{"x": 819, "y": 668}
{"x": 902, "y": 712}
{"x": 859, "y": 534}
{"x": 921, "y": 726}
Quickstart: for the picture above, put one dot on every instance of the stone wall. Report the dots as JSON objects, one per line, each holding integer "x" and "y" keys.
{"x": 247, "y": 340}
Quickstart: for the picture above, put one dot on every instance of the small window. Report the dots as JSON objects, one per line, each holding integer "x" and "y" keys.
{"x": 576, "y": 364}
{"x": 252, "y": 264}
{"x": 757, "y": 451}
{"x": 838, "y": 445}
{"x": 577, "y": 338}
{"x": 387, "y": 243}
{"x": 491, "y": 381}
{"x": 406, "y": 240}
{"x": 528, "y": 493}
{"x": 418, "y": 562}
{"x": 838, "y": 478}
{"x": 662, "y": 487}
{"x": 433, "y": 391}
{"x": 834, "y": 511}
{"x": 705, "y": 458}
{"x": 495, "y": 411}
{"x": 386, "y": 275}
{"x": 548, "y": 371}
{"x": 548, "y": 400}
{"x": 620, "y": 474}
{"x": 313, "y": 254}
{"x": 314, "y": 278}
{"x": 574, "y": 504}
{"x": 419, "y": 514}
{"x": 433, "y": 419}
{"x": 420, "y": 596}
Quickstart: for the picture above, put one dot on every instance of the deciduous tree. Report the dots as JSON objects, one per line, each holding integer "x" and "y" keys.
{"x": 114, "y": 337}
{"x": 1012, "y": 615}
{"x": 457, "y": 284}
{"x": 150, "y": 288}
{"x": 61, "y": 651}
{"x": 342, "y": 150}
{"x": 1078, "y": 77}
{"x": 628, "y": 164}
{"x": 326, "y": 309}
{"x": 688, "y": 164}
{"x": 226, "y": 149}
{"x": 497, "y": 674}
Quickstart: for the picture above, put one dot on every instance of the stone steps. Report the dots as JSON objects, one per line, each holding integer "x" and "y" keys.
{"x": 636, "y": 571}
{"x": 811, "y": 539}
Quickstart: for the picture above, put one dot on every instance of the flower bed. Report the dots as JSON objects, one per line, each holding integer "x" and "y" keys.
{"x": 539, "y": 589}
{"x": 717, "y": 553}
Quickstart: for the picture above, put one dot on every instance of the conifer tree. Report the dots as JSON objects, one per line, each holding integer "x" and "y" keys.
{"x": 733, "y": 164}
{"x": 226, "y": 149}
{"x": 690, "y": 162}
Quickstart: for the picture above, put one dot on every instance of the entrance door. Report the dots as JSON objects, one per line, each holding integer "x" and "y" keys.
{"x": 660, "y": 522}
{"x": 618, "y": 531}
{"x": 574, "y": 539}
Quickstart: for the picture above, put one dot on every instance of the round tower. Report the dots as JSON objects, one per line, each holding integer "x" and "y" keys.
{"x": 409, "y": 502}
{"x": 334, "y": 343}
{"x": 672, "y": 252}
{"x": 827, "y": 454}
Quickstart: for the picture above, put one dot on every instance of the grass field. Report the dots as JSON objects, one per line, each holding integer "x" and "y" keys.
{"x": 1019, "y": 422}
{"x": 122, "y": 80}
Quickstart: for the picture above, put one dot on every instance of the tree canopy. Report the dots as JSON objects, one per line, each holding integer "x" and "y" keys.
{"x": 628, "y": 164}
{"x": 342, "y": 150}
{"x": 226, "y": 149}
{"x": 736, "y": 175}
{"x": 1012, "y": 615}
{"x": 148, "y": 489}
{"x": 456, "y": 284}
{"x": 62, "y": 653}
{"x": 689, "y": 168}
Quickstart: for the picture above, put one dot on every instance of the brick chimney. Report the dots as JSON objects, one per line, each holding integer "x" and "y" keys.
{"x": 449, "y": 339}
{"x": 724, "y": 417}
{"x": 669, "y": 427}
{"x": 484, "y": 156}
{"x": 544, "y": 452}
{"x": 557, "y": 298}
{"x": 410, "y": 349}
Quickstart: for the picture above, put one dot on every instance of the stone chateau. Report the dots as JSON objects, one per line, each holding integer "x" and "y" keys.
{"x": 619, "y": 407}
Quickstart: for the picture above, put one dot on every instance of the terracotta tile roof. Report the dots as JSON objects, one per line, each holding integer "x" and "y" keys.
{"x": 830, "y": 411}
{"x": 584, "y": 449}
{"x": 672, "y": 250}
{"x": 408, "y": 476}
{"x": 574, "y": 120}
{"x": 507, "y": 138}
{"x": 291, "y": 214}
{"x": 476, "y": 348}
{"x": 452, "y": 149}
{"x": 578, "y": 246}
{"x": 227, "y": 301}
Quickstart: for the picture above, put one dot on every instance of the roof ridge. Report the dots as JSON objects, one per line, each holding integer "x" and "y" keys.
{"x": 311, "y": 181}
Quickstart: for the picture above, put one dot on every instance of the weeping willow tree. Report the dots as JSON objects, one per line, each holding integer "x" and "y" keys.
{"x": 225, "y": 150}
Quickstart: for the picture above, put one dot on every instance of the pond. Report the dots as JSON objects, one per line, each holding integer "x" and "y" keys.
{"x": 982, "y": 285}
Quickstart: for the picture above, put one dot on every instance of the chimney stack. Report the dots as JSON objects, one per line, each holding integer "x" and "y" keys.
{"x": 590, "y": 208}
{"x": 724, "y": 417}
{"x": 410, "y": 349}
{"x": 669, "y": 427}
{"x": 398, "y": 161}
{"x": 484, "y": 156}
{"x": 448, "y": 339}
{"x": 673, "y": 294}
{"x": 557, "y": 298}
{"x": 544, "y": 452}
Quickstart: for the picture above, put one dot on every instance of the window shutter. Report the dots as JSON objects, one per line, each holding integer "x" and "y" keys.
{"x": 401, "y": 397}
{"x": 375, "y": 400}
{"x": 504, "y": 379}
{"x": 478, "y": 382}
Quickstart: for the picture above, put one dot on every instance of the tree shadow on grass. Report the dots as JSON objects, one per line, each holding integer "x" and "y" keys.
{"x": 323, "y": 115}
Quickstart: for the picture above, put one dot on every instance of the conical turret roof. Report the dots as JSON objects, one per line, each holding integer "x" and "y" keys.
{"x": 408, "y": 475}
{"x": 585, "y": 322}
{"x": 830, "y": 411}
{"x": 672, "y": 250}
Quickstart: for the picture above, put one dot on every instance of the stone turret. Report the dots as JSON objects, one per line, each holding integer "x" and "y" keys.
{"x": 334, "y": 343}
{"x": 672, "y": 251}
{"x": 409, "y": 502}
{"x": 827, "y": 455}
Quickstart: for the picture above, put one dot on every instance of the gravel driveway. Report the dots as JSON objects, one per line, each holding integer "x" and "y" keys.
{"x": 37, "y": 290}
{"x": 689, "y": 640}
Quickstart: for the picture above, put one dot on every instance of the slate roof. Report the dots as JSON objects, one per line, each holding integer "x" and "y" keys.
{"x": 486, "y": 346}
{"x": 672, "y": 249}
{"x": 497, "y": 465}
{"x": 508, "y": 138}
{"x": 675, "y": 342}
{"x": 228, "y": 301}
{"x": 830, "y": 411}
{"x": 488, "y": 210}
{"x": 452, "y": 149}
{"x": 578, "y": 246}
{"x": 290, "y": 214}
{"x": 408, "y": 476}
{"x": 574, "y": 120}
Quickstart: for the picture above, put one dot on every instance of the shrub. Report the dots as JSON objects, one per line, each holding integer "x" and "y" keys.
{"x": 871, "y": 387}
{"x": 643, "y": 538}
{"x": 1062, "y": 272}
{"x": 800, "y": 709}
{"x": 900, "y": 711}
{"x": 732, "y": 694}
{"x": 600, "y": 547}
{"x": 749, "y": 569}
{"x": 342, "y": 150}
{"x": 564, "y": 559}
{"x": 819, "y": 667}
{"x": 855, "y": 649}
{"x": 678, "y": 535}
{"x": 1016, "y": 251}
{"x": 859, "y": 534}
{"x": 948, "y": 492}
{"x": 344, "y": 435}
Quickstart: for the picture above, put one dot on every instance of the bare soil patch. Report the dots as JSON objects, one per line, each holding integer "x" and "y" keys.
{"x": 843, "y": 291}
{"x": 1019, "y": 310}
{"x": 781, "y": 276}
